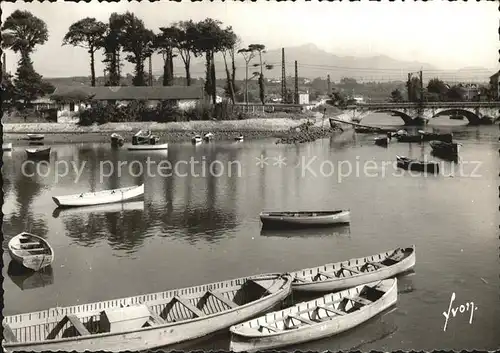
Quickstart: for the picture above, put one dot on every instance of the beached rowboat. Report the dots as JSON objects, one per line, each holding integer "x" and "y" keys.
{"x": 146, "y": 147}
{"x": 319, "y": 318}
{"x": 354, "y": 272}
{"x": 304, "y": 218}
{"x": 413, "y": 164}
{"x": 38, "y": 152}
{"x": 99, "y": 197}
{"x": 31, "y": 251}
{"x": 146, "y": 321}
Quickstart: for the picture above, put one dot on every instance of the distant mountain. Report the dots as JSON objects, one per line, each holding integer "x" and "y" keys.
{"x": 314, "y": 62}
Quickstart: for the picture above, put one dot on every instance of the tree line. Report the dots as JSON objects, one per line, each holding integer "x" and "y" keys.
{"x": 126, "y": 37}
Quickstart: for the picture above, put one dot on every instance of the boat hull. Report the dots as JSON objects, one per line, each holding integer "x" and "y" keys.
{"x": 99, "y": 198}
{"x": 241, "y": 342}
{"x": 7, "y": 146}
{"x": 418, "y": 166}
{"x": 270, "y": 221}
{"x": 341, "y": 283}
{"x": 147, "y": 147}
{"x": 35, "y": 137}
{"x": 382, "y": 141}
{"x": 155, "y": 336}
{"x": 34, "y": 262}
{"x": 35, "y": 153}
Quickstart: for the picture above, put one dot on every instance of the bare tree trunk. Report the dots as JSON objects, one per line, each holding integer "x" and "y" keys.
{"x": 92, "y": 66}
{"x": 229, "y": 79}
{"x": 214, "y": 79}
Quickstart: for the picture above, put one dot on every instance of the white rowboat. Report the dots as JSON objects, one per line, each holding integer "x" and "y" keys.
{"x": 147, "y": 147}
{"x": 99, "y": 197}
{"x": 354, "y": 272}
{"x": 319, "y": 318}
{"x": 146, "y": 321}
{"x": 31, "y": 251}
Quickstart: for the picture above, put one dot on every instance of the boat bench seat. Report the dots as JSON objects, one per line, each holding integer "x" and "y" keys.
{"x": 223, "y": 299}
{"x": 185, "y": 303}
{"x": 360, "y": 300}
{"x": 325, "y": 274}
{"x": 331, "y": 309}
{"x": 8, "y": 334}
{"x": 376, "y": 264}
{"x": 35, "y": 243}
{"x": 269, "y": 328}
{"x": 75, "y": 321}
{"x": 348, "y": 268}
{"x": 300, "y": 318}
{"x": 35, "y": 249}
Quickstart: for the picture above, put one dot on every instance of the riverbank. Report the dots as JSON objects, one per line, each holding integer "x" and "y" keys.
{"x": 169, "y": 132}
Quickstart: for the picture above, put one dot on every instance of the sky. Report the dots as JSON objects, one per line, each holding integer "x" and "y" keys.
{"x": 447, "y": 35}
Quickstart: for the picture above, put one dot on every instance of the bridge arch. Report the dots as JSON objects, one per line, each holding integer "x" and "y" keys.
{"x": 472, "y": 117}
{"x": 405, "y": 117}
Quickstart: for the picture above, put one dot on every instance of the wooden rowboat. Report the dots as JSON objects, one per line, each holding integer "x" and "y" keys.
{"x": 146, "y": 321}
{"x": 413, "y": 164}
{"x": 239, "y": 138}
{"x": 354, "y": 272}
{"x": 196, "y": 139}
{"x": 117, "y": 140}
{"x": 143, "y": 137}
{"x": 35, "y": 137}
{"x": 445, "y": 150}
{"x": 99, "y": 197}
{"x": 319, "y": 318}
{"x": 304, "y": 218}
{"x": 38, "y": 152}
{"x": 31, "y": 251}
{"x": 146, "y": 147}
{"x": 208, "y": 137}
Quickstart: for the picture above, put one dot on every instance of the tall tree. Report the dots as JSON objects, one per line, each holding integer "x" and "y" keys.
{"x": 248, "y": 54}
{"x": 186, "y": 38}
{"x": 260, "y": 48}
{"x": 138, "y": 41}
{"x": 438, "y": 87}
{"x": 229, "y": 42}
{"x": 87, "y": 33}
{"x": 396, "y": 96}
{"x": 112, "y": 46}
{"x": 164, "y": 44}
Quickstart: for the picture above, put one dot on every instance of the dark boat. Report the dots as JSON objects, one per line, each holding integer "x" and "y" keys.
{"x": 420, "y": 166}
{"x": 445, "y": 150}
{"x": 409, "y": 138}
{"x": 38, "y": 153}
{"x": 117, "y": 140}
{"x": 304, "y": 219}
{"x": 382, "y": 141}
{"x": 145, "y": 137}
{"x": 431, "y": 136}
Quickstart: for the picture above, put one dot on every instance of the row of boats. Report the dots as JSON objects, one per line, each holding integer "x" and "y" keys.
{"x": 346, "y": 294}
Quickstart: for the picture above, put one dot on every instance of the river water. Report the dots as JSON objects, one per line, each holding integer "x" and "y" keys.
{"x": 201, "y": 225}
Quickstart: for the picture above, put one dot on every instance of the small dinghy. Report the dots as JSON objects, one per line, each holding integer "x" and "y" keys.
{"x": 7, "y": 146}
{"x": 99, "y": 197}
{"x": 319, "y": 318}
{"x": 304, "y": 218}
{"x": 382, "y": 141}
{"x": 445, "y": 150}
{"x": 430, "y": 136}
{"x": 147, "y": 321}
{"x": 208, "y": 137}
{"x": 196, "y": 139}
{"x": 31, "y": 251}
{"x": 239, "y": 138}
{"x": 38, "y": 152}
{"x": 146, "y": 147}
{"x": 419, "y": 166}
{"x": 117, "y": 140}
{"x": 35, "y": 137}
{"x": 354, "y": 272}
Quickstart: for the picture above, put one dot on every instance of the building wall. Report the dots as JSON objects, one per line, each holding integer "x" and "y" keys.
{"x": 304, "y": 98}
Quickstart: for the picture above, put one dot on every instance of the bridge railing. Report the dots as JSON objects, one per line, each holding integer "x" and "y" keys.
{"x": 389, "y": 105}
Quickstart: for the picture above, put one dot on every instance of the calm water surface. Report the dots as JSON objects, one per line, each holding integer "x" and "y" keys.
{"x": 194, "y": 229}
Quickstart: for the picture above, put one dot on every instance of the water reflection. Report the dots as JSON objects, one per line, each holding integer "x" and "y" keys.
{"x": 340, "y": 231}
{"x": 26, "y": 279}
{"x": 110, "y": 208}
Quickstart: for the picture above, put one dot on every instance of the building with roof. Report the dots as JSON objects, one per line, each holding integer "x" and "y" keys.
{"x": 495, "y": 85}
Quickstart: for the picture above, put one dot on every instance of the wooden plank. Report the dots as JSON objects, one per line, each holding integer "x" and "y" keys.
{"x": 378, "y": 264}
{"x": 189, "y": 306}
{"x": 300, "y": 279}
{"x": 156, "y": 318}
{"x": 335, "y": 311}
{"x": 304, "y": 320}
{"x": 350, "y": 269}
{"x": 360, "y": 300}
{"x": 272, "y": 329}
{"x": 53, "y": 334}
{"x": 8, "y": 334}
{"x": 78, "y": 325}
{"x": 223, "y": 299}
{"x": 30, "y": 244}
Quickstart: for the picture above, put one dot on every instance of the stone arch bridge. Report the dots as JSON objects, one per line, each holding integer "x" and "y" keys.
{"x": 476, "y": 112}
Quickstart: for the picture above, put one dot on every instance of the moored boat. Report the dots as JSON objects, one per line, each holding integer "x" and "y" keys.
{"x": 38, "y": 152}
{"x": 35, "y": 137}
{"x": 146, "y": 321}
{"x": 7, "y": 146}
{"x": 239, "y": 138}
{"x": 382, "y": 141}
{"x": 208, "y": 137}
{"x": 445, "y": 150}
{"x": 30, "y": 251}
{"x": 315, "y": 319}
{"x": 354, "y": 272}
{"x": 430, "y": 136}
{"x": 297, "y": 219}
{"x": 117, "y": 140}
{"x": 144, "y": 137}
{"x": 99, "y": 197}
{"x": 413, "y": 164}
{"x": 196, "y": 139}
{"x": 147, "y": 147}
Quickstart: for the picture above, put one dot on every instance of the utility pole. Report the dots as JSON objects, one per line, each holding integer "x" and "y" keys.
{"x": 150, "y": 72}
{"x": 329, "y": 85}
{"x": 283, "y": 76}
{"x": 421, "y": 87}
{"x": 408, "y": 84}
{"x": 296, "y": 84}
